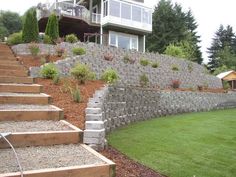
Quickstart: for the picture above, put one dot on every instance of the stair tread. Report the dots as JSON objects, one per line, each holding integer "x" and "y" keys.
{"x": 28, "y": 107}
{"x": 33, "y": 126}
{"x": 23, "y": 94}
{"x": 46, "y": 157}
{"x": 16, "y": 84}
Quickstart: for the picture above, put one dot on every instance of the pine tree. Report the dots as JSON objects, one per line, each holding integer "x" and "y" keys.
{"x": 30, "y": 29}
{"x": 52, "y": 29}
{"x": 223, "y": 43}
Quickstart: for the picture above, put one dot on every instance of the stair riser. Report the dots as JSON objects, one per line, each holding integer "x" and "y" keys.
{"x": 18, "y": 73}
{"x": 11, "y": 66}
{"x": 7, "y": 62}
{"x": 19, "y": 80}
{"x": 20, "y": 89}
{"x": 30, "y": 115}
{"x": 24, "y": 100}
{"x": 41, "y": 138}
{"x": 7, "y": 58}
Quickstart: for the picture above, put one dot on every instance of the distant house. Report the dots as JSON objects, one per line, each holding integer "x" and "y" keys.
{"x": 230, "y": 77}
{"x": 118, "y": 23}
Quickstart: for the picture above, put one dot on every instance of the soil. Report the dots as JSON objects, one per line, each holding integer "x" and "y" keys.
{"x": 126, "y": 167}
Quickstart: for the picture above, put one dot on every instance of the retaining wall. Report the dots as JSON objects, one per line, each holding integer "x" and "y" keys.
{"x": 113, "y": 107}
{"x": 190, "y": 74}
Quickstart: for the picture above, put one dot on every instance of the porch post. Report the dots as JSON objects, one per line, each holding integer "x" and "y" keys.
{"x": 91, "y": 10}
{"x": 144, "y": 43}
{"x": 101, "y": 29}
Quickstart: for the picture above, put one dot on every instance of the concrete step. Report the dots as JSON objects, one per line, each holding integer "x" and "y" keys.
{"x": 12, "y": 66}
{"x": 19, "y": 80}
{"x": 17, "y": 73}
{"x": 20, "y": 88}
{"x": 39, "y": 133}
{"x": 22, "y": 98}
{"x": 93, "y": 110}
{"x": 74, "y": 160}
{"x": 24, "y": 112}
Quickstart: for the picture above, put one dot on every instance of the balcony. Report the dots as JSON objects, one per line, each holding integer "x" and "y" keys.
{"x": 126, "y": 14}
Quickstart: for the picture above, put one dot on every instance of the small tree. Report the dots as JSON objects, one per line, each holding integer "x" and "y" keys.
{"x": 30, "y": 29}
{"x": 52, "y": 29}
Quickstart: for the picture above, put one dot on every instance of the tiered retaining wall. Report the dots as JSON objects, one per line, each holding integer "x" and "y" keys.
{"x": 119, "y": 106}
{"x": 190, "y": 74}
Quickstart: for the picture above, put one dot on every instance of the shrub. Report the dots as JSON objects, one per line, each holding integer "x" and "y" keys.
{"x": 127, "y": 59}
{"x": 143, "y": 80}
{"x": 34, "y": 49}
{"x": 81, "y": 72}
{"x": 30, "y": 31}
{"x": 226, "y": 85}
{"x": 175, "y": 84}
{"x": 155, "y": 64}
{"x": 43, "y": 60}
{"x": 110, "y": 76}
{"x": 56, "y": 79}
{"x": 48, "y": 71}
{"x": 52, "y": 29}
{"x": 47, "y": 39}
{"x": 76, "y": 96}
{"x": 144, "y": 62}
{"x": 71, "y": 38}
{"x": 60, "y": 51}
{"x": 15, "y": 38}
{"x": 78, "y": 51}
{"x": 175, "y": 68}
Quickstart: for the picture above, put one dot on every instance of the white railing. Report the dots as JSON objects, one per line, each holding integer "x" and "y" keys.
{"x": 96, "y": 18}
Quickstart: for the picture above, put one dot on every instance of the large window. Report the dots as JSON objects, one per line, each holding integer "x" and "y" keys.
{"x": 126, "y": 11}
{"x": 114, "y": 8}
{"x": 136, "y": 13}
{"x": 122, "y": 40}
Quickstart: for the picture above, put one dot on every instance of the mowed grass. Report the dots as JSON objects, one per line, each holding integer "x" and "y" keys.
{"x": 196, "y": 144}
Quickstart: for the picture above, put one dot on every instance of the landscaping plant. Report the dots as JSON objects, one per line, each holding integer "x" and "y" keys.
{"x": 52, "y": 29}
{"x": 34, "y": 49}
{"x": 155, "y": 64}
{"x": 175, "y": 68}
{"x": 47, "y": 39}
{"x": 143, "y": 80}
{"x": 15, "y": 38}
{"x": 144, "y": 62}
{"x": 175, "y": 84}
{"x": 71, "y": 38}
{"x": 48, "y": 71}
{"x": 56, "y": 79}
{"x": 110, "y": 76}
{"x": 78, "y": 51}
{"x": 81, "y": 72}
{"x": 76, "y": 96}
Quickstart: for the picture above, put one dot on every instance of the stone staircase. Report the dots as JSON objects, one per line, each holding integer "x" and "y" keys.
{"x": 46, "y": 145}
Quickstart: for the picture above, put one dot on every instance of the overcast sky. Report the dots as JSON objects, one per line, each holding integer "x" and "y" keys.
{"x": 209, "y": 14}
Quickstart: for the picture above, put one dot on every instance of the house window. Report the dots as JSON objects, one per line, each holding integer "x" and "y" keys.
{"x": 126, "y": 11}
{"x": 136, "y": 13}
{"x": 122, "y": 40}
{"x": 105, "y": 12}
{"x": 114, "y": 8}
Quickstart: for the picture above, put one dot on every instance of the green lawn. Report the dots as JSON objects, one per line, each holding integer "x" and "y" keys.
{"x": 197, "y": 144}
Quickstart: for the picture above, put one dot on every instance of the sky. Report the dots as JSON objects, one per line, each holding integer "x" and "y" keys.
{"x": 209, "y": 14}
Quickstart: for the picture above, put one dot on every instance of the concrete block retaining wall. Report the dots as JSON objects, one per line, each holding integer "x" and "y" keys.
{"x": 113, "y": 107}
{"x": 190, "y": 74}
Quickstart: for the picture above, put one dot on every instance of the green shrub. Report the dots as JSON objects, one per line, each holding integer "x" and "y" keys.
{"x": 47, "y": 39}
{"x": 30, "y": 31}
{"x": 78, "y": 51}
{"x": 34, "y": 49}
{"x": 56, "y": 79}
{"x": 144, "y": 62}
{"x": 15, "y": 38}
{"x": 226, "y": 85}
{"x": 48, "y": 71}
{"x": 43, "y": 60}
{"x": 52, "y": 29}
{"x": 110, "y": 76}
{"x": 81, "y": 72}
{"x": 143, "y": 80}
{"x": 175, "y": 68}
{"x": 76, "y": 96}
{"x": 155, "y": 64}
{"x": 128, "y": 59}
{"x": 71, "y": 38}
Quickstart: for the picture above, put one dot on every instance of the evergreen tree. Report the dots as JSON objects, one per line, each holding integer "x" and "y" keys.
{"x": 171, "y": 25}
{"x": 52, "y": 29}
{"x": 11, "y": 21}
{"x": 223, "y": 46}
{"x": 30, "y": 30}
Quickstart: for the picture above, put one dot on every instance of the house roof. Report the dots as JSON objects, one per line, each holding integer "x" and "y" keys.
{"x": 224, "y": 74}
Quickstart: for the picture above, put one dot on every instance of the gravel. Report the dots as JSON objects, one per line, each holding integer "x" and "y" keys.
{"x": 35, "y": 158}
{"x": 32, "y": 126}
{"x": 26, "y": 107}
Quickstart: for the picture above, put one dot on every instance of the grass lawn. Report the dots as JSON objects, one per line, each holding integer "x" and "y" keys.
{"x": 196, "y": 144}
